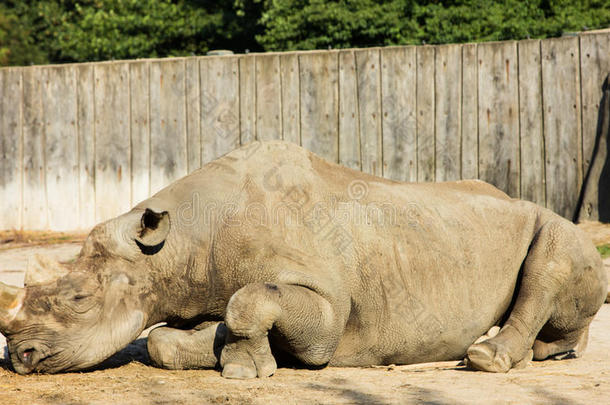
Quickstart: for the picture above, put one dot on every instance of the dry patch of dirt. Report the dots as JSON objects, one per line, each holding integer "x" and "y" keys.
{"x": 599, "y": 232}
{"x": 600, "y": 235}
{"x": 14, "y": 239}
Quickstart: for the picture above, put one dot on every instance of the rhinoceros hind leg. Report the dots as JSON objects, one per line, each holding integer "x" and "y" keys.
{"x": 559, "y": 270}
{"x": 571, "y": 346}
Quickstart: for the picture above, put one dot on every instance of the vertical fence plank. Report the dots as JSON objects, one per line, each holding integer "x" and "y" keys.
{"x": 470, "y": 113}
{"x": 247, "y": 99}
{"x": 399, "y": 123}
{"x": 34, "y": 181}
{"x": 530, "y": 119}
{"x": 289, "y": 74}
{"x": 10, "y": 149}
{"x": 595, "y": 67}
{"x": 268, "y": 97}
{"x": 86, "y": 145}
{"x": 220, "y": 129}
{"x": 369, "y": 109}
{"x": 349, "y": 129}
{"x": 319, "y": 75}
{"x": 61, "y": 147}
{"x": 499, "y": 116}
{"x": 448, "y": 95}
{"x": 193, "y": 114}
{"x": 168, "y": 160}
{"x": 562, "y": 132}
{"x": 112, "y": 140}
{"x": 425, "y": 113}
{"x": 139, "y": 85}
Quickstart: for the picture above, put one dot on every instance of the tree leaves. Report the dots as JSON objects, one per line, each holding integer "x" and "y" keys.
{"x": 57, "y": 31}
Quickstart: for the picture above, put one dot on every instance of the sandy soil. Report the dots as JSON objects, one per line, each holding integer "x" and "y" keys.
{"x": 127, "y": 379}
{"x": 599, "y": 233}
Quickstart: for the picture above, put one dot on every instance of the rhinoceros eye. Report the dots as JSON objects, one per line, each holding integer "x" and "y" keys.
{"x": 80, "y": 297}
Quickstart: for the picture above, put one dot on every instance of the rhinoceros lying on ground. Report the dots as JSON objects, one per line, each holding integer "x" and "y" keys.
{"x": 270, "y": 251}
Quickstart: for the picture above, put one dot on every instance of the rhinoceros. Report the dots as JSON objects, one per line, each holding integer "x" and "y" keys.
{"x": 271, "y": 252}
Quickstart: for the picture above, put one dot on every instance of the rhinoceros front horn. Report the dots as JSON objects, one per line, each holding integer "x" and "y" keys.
{"x": 42, "y": 270}
{"x": 11, "y": 299}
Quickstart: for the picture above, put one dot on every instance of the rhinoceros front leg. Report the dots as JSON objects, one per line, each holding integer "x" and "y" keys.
{"x": 302, "y": 321}
{"x": 178, "y": 349}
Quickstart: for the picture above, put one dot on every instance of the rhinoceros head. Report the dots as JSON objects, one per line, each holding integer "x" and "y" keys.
{"x": 73, "y": 316}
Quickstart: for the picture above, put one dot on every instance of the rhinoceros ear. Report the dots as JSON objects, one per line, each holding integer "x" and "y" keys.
{"x": 154, "y": 227}
{"x": 42, "y": 270}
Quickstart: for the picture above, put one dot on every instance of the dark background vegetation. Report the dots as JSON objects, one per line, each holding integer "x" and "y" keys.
{"x": 58, "y": 31}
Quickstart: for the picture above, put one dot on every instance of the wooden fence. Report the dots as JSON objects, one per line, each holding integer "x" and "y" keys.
{"x": 82, "y": 143}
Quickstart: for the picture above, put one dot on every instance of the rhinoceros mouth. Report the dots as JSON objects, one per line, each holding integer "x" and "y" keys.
{"x": 31, "y": 360}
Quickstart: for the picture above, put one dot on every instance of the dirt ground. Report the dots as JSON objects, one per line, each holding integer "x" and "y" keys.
{"x": 127, "y": 379}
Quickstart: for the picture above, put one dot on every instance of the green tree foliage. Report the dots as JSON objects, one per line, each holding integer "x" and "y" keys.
{"x": 314, "y": 24}
{"x": 17, "y": 44}
{"x": 310, "y": 24}
{"x": 56, "y": 31}
{"x": 91, "y": 30}
{"x": 479, "y": 20}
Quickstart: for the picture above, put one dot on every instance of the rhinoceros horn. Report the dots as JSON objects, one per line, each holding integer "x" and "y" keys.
{"x": 11, "y": 299}
{"x": 42, "y": 270}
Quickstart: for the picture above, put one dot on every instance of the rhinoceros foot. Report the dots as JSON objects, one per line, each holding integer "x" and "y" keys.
{"x": 244, "y": 358}
{"x": 485, "y": 355}
{"x": 489, "y": 356}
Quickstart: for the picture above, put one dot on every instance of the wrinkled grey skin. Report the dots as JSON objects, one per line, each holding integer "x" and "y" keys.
{"x": 272, "y": 248}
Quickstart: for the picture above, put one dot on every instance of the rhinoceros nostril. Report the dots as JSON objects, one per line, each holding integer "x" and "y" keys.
{"x": 27, "y": 356}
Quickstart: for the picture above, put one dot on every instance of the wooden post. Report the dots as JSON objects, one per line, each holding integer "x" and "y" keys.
{"x": 34, "y": 170}
{"x": 289, "y": 74}
{"x": 220, "y": 129}
{"x": 499, "y": 115}
{"x": 11, "y": 147}
{"x": 470, "y": 113}
{"x": 369, "y": 108}
{"x": 193, "y": 114}
{"x": 112, "y": 140}
{"x": 562, "y": 130}
{"x": 139, "y": 85}
{"x": 168, "y": 157}
{"x": 530, "y": 122}
{"x": 399, "y": 115}
{"x": 85, "y": 96}
{"x": 268, "y": 97}
{"x": 448, "y": 96}
{"x": 349, "y": 127}
{"x": 247, "y": 99}
{"x": 425, "y": 113}
{"x": 61, "y": 146}
{"x": 319, "y": 77}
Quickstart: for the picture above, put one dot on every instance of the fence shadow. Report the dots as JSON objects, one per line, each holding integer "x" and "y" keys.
{"x": 596, "y": 183}
{"x": 604, "y": 178}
